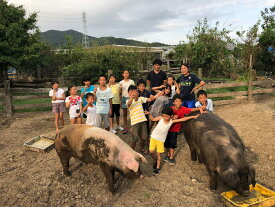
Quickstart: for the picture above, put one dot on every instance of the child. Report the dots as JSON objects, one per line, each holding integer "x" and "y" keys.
{"x": 104, "y": 97}
{"x": 90, "y": 110}
{"x": 137, "y": 117}
{"x": 174, "y": 85}
{"x": 161, "y": 101}
{"x": 141, "y": 84}
{"x": 88, "y": 88}
{"x": 170, "y": 143}
{"x": 159, "y": 134}
{"x": 125, "y": 83}
{"x": 116, "y": 90}
{"x": 58, "y": 105}
{"x": 203, "y": 101}
{"x": 74, "y": 102}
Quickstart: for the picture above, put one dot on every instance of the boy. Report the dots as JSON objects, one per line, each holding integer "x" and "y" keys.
{"x": 103, "y": 99}
{"x": 137, "y": 117}
{"x": 88, "y": 88}
{"x": 116, "y": 101}
{"x": 159, "y": 134}
{"x": 203, "y": 101}
{"x": 179, "y": 111}
{"x": 141, "y": 85}
{"x": 90, "y": 110}
{"x": 125, "y": 83}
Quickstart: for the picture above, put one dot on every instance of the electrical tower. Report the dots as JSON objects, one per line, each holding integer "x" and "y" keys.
{"x": 85, "y": 39}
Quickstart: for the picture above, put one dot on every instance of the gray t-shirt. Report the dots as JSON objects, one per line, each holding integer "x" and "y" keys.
{"x": 158, "y": 105}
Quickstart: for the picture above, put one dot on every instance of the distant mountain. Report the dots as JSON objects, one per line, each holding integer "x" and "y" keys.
{"x": 57, "y": 38}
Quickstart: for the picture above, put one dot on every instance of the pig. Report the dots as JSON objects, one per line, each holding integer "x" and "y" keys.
{"x": 217, "y": 144}
{"x": 97, "y": 146}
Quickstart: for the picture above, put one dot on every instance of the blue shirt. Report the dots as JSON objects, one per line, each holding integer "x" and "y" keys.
{"x": 88, "y": 90}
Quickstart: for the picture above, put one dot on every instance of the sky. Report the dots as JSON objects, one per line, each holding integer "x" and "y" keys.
{"x": 166, "y": 21}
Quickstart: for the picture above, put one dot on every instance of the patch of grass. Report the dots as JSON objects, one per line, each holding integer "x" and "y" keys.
{"x": 29, "y": 94}
{"x": 31, "y": 101}
{"x": 225, "y": 90}
{"x": 34, "y": 109}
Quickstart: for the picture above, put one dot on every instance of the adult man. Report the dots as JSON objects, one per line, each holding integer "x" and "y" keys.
{"x": 187, "y": 82}
{"x": 156, "y": 77}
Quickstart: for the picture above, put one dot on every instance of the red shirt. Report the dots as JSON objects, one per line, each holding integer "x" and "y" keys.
{"x": 181, "y": 113}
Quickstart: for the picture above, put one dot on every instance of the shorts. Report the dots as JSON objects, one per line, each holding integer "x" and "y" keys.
{"x": 156, "y": 145}
{"x": 139, "y": 130}
{"x": 115, "y": 110}
{"x": 103, "y": 119}
{"x": 171, "y": 140}
{"x": 189, "y": 104}
{"x": 123, "y": 102}
{"x": 58, "y": 107}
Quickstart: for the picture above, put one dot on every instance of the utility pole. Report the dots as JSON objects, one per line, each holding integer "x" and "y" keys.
{"x": 85, "y": 39}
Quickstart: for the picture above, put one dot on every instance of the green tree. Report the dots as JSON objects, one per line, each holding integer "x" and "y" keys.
{"x": 18, "y": 34}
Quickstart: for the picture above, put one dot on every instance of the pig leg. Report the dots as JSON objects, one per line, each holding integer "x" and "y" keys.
{"x": 109, "y": 175}
{"x": 213, "y": 180}
{"x": 65, "y": 160}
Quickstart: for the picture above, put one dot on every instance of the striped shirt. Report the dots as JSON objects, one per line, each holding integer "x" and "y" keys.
{"x": 136, "y": 111}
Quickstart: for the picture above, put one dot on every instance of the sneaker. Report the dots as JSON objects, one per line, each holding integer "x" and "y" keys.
{"x": 120, "y": 128}
{"x": 166, "y": 159}
{"x": 155, "y": 165}
{"x": 172, "y": 162}
{"x": 156, "y": 171}
{"x": 113, "y": 131}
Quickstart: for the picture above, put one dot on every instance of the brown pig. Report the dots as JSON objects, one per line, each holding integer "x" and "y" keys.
{"x": 97, "y": 146}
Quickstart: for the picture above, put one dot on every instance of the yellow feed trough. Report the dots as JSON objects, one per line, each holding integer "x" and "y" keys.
{"x": 259, "y": 196}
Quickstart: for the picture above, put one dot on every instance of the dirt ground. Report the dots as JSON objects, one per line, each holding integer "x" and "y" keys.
{"x": 35, "y": 179}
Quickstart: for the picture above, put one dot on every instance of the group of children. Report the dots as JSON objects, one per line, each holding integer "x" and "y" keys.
{"x": 99, "y": 105}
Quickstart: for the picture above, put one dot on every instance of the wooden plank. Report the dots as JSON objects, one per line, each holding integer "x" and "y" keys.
{"x": 27, "y": 106}
{"x": 31, "y": 97}
{"x": 37, "y": 90}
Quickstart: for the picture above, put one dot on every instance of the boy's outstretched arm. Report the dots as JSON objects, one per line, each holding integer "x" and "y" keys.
{"x": 185, "y": 118}
{"x": 201, "y": 109}
{"x": 151, "y": 116}
{"x": 154, "y": 97}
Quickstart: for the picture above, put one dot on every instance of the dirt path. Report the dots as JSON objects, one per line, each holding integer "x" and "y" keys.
{"x": 32, "y": 179}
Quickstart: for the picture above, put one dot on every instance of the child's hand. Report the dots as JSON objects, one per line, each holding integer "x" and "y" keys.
{"x": 147, "y": 112}
{"x": 201, "y": 110}
{"x": 175, "y": 117}
{"x": 95, "y": 90}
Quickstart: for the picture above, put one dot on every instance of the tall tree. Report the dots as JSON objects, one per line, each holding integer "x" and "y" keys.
{"x": 18, "y": 34}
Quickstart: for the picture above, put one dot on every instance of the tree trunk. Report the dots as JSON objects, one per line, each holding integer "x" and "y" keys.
{"x": 3, "y": 73}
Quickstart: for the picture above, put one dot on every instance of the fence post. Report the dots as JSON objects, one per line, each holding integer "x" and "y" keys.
{"x": 200, "y": 75}
{"x": 249, "y": 87}
{"x": 8, "y": 98}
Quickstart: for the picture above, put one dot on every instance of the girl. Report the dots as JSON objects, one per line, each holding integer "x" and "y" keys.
{"x": 125, "y": 83}
{"x": 58, "y": 105}
{"x": 174, "y": 86}
{"x": 90, "y": 110}
{"x": 161, "y": 101}
{"x": 116, "y": 101}
{"x": 74, "y": 102}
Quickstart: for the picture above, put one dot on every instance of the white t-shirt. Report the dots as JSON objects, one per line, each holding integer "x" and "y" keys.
{"x": 91, "y": 116}
{"x": 161, "y": 130}
{"x": 74, "y": 105}
{"x": 125, "y": 85}
{"x": 58, "y": 94}
{"x": 173, "y": 91}
{"x": 103, "y": 100}
{"x": 209, "y": 105}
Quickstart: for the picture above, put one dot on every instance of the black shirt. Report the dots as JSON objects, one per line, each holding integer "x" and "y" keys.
{"x": 145, "y": 94}
{"x": 156, "y": 79}
{"x": 187, "y": 83}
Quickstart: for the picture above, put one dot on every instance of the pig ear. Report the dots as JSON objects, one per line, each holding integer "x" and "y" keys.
{"x": 143, "y": 159}
{"x": 252, "y": 176}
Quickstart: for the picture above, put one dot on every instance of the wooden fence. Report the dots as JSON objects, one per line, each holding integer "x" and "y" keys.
{"x": 9, "y": 95}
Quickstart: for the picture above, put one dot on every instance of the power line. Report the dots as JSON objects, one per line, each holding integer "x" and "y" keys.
{"x": 85, "y": 39}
